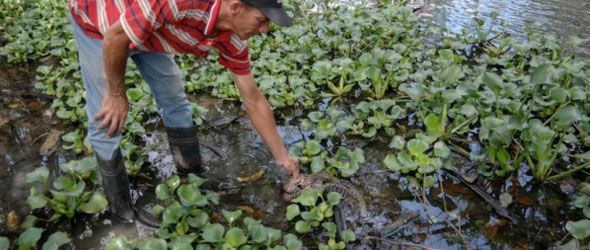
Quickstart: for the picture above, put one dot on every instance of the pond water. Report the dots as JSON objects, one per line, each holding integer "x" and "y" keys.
{"x": 564, "y": 18}
{"x": 448, "y": 216}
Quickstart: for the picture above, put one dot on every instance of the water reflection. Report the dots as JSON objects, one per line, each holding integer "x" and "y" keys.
{"x": 565, "y": 18}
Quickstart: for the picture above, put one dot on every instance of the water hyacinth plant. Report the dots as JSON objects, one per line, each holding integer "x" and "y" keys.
{"x": 353, "y": 74}
{"x": 311, "y": 209}
{"x": 74, "y": 191}
{"x": 186, "y": 223}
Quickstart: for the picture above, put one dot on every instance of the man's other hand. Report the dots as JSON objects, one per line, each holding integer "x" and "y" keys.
{"x": 290, "y": 164}
{"x": 113, "y": 113}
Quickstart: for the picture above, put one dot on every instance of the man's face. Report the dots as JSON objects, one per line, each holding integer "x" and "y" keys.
{"x": 249, "y": 22}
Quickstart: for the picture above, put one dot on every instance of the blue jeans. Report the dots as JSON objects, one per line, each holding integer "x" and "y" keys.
{"x": 158, "y": 69}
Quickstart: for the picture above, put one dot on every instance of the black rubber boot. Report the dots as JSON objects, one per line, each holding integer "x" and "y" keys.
{"x": 116, "y": 187}
{"x": 184, "y": 146}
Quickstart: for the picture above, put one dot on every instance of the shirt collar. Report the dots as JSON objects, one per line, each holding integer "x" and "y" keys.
{"x": 212, "y": 17}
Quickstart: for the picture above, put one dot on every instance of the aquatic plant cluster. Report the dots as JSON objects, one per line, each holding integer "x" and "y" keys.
{"x": 374, "y": 75}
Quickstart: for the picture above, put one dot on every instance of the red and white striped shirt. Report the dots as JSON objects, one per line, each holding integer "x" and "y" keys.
{"x": 170, "y": 26}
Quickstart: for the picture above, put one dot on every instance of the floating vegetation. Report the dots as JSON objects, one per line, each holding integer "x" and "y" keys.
{"x": 360, "y": 76}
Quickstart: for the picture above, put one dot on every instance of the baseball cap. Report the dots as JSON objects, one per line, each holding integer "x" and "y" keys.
{"x": 273, "y": 9}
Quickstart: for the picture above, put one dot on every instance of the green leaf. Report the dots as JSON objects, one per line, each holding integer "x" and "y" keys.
{"x": 348, "y": 235}
{"x": 118, "y": 243}
{"x": 503, "y": 156}
{"x": 451, "y": 74}
{"x": 202, "y": 247}
{"x": 312, "y": 148}
{"x": 172, "y": 214}
{"x": 157, "y": 210}
{"x": 308, "y": 197}
{"x": 584, "y": 188}
{"x": 397, "y": 142}
{"x": 330, "y": 228}
{"x": 189, "y": 194}
{"x": 579, "y": 229}
{"x": 317, "y": 163}
{"x": 4, "y": 243}
{"x": 315, "y": 116}
{"x": 433, "y": 125}
{"x": 542, "y": 74}
{"x": 334, "y": 198}
{"x": 231, "y": 216}
{"x": 36, "y": 201}
{"x": 417, "y": 146}
{"x": 199, "y": 219}
{"x": 309, "y": 216}
{"x": 392, "y": 163}
{"x": 182, "y": 227}
{"x": 56, "y": 240}
{"x": 577, "y": 93}
{"x": 302, "y": 227}
{"x": 38, "y": 175}
{"x": 406, "y": 161}
{"x": 292, "y": 211}
{"x": 235, "y": 237}
{"x": 28, "y": 239}
{"x": 173, "y": 182}
{"x": 65, "y": 183}
{"x": 582, "y": 201}
{"x": 493, "y": 81}
{"x": 134, "y": 94}
{"x": 212, "y": 196}
{"x": 573, "y": 244}
{"x": 162, "y": 191}
{"x": 292, "y": 242}
{"x": 71, "y": 136}
{"x": 568, "y": 115}
{"x": 152, "y": 244}
{"x": 213, "y": 233}
{"x": 196, "y": 180}
{"x": 558, "y": 94}
{"x": 272, "y": 234}
{"x": 180, "y": 246}
{"x": 80, "y": 167}
{"x": 96, "y": 204}
{"x": 584, "y": 156}
{"x": 258, "y": 233}
{"x": 182, "y": 241}
{"x": 441, "y": 150}
{"x": 28, "y": 222}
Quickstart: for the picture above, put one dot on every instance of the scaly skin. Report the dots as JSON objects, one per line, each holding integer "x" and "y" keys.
{"x": 294, "y": 187}
{"x": 352, "y": 200}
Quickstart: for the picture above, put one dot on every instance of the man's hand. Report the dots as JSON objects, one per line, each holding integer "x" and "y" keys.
{"x": 290, "y": 164}
{"x": 113, "y": 113}
{"x": 114, "y": 104}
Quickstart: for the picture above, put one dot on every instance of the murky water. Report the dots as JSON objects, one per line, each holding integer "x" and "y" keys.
{"x": 565, "y": 18}
{"x": 449, "y": 216}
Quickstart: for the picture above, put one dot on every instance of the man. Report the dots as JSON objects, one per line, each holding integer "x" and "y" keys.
{"x": 107, "y": 32}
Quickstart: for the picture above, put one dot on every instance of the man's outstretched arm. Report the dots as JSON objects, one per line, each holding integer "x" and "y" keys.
{"x": 263, "y": 120}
